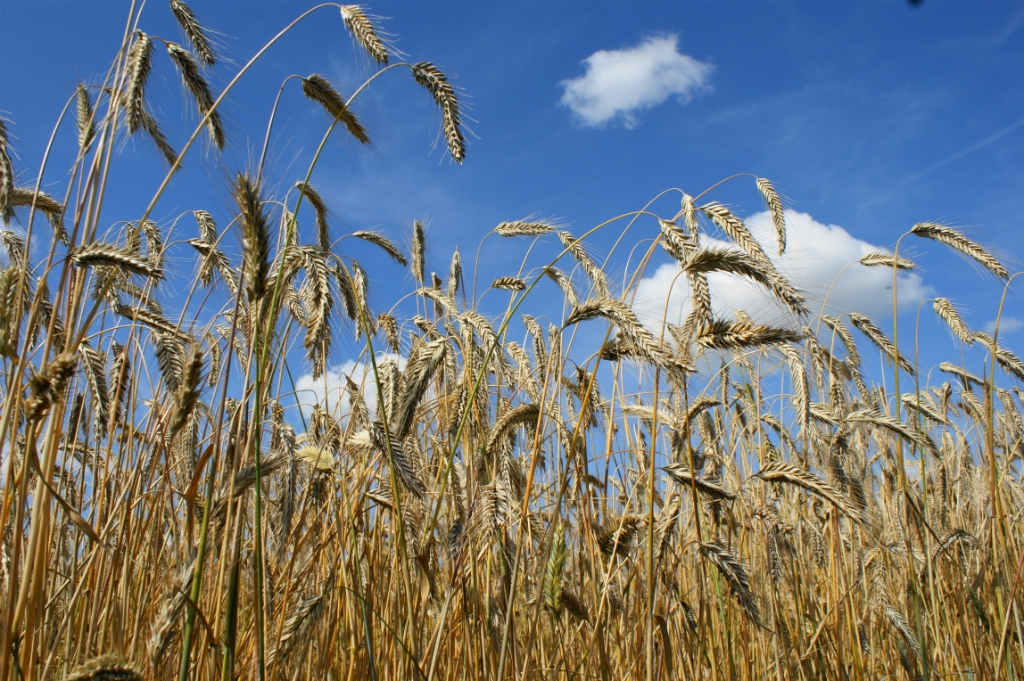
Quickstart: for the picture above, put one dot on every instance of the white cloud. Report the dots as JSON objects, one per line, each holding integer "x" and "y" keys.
{"x": 815, "y": 256}
{"x": 621, "y": 83}
{"x": 1007, "y": 325}
{"x": 329, "y": 391}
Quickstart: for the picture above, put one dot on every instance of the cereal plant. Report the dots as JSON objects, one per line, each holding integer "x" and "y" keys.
{"x": 493, "y": 494}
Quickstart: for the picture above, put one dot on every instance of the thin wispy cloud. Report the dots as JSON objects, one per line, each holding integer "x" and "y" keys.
{"x": 821, "y": 261}
{"x": 1007, "y": 325}
{"x": 619, "y": 84}
{"x": 991, "y": 139}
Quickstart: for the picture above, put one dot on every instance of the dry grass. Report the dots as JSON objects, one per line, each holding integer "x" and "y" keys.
{"x": 732, "y": 501}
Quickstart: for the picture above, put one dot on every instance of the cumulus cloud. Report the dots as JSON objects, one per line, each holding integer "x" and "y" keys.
{"x": 621, "y": 83}
{"x": 815, "y": 256}
{"x": 329, "y": 391}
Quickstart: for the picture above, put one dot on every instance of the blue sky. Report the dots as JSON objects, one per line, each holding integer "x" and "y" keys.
{"x": 870, "y": 116}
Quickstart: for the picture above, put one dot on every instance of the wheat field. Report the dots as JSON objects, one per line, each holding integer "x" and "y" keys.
{"x": 489, "y": 497}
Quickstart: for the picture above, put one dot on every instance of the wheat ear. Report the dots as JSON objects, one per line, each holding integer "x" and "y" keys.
{"x": 525, "y": 228}
{"x": 735, "y": 230}
{"x": 364, "y": 33}
{"x": 682, "y": 475}
{"x": 317, "y": 88}
{"x": 197, "y": 85}
{"x": 553, "y": 573}
{"x": 509, "y": 283}
{"x": 84, "y": 119}
{"x": 725, "y": 335}
{"x": 105, "y": 668}
{"x": 113, "y": 256}
{"x": 430, "y": 77}
{"x": 945, "y": 309}
{"x": 868, "y": 328}
{"x": 194, "y": 32}
{"x": 140, "y": 62}
{"x": 958, "y": 242}
{"x": 384, "y": 244}
{"x": 771, "y": 198}
{"x": 735, "y": 575}
{"x": 885, "y": 260}
{"x": 780, "y": 471}
{"x": 255, "y": 236}
{"x": 6, "y": 176}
